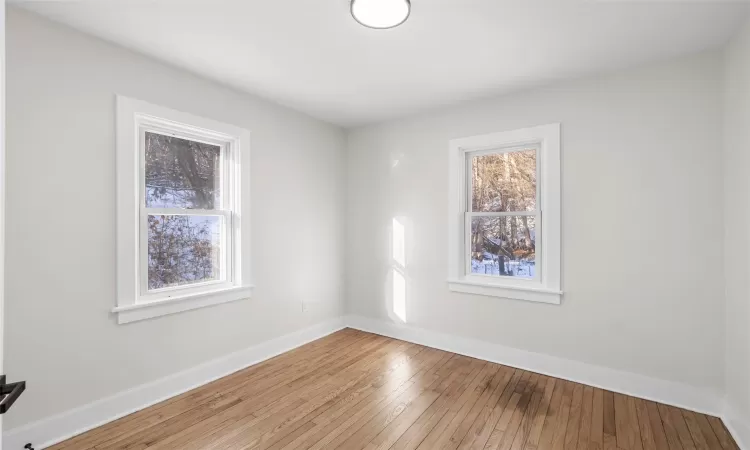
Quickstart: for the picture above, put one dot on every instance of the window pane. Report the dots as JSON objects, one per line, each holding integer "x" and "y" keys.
{"x": 181, "y": 173}
{"x": 504, "y": 182}
{"x": 183, "y": 250}
{"x": 503, "y": 246}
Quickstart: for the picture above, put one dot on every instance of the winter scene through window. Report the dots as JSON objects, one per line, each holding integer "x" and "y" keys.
{"x": 503, "y": 215}
{"x": 183, "y": 201}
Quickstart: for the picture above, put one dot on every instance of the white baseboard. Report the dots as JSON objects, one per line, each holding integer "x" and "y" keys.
{"x": 58, "y": 428}
{"x": 52, "y": 430}
{"x": 738, "y": 425}
{"x": 672, "y": 393}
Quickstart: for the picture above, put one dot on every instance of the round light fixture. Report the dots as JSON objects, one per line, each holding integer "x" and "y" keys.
{"x": 381, "y": 13}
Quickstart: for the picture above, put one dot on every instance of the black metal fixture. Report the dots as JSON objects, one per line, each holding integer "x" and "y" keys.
{"x": 10, "y": 393}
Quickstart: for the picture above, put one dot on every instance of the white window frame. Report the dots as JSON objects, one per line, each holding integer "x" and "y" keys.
{"x": 134, "y": 300}
{"x": 545, "y": 285}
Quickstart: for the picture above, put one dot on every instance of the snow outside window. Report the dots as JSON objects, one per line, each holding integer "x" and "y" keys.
{"x": 505, "y": 214}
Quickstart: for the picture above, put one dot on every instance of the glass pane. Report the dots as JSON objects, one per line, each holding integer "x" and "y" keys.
{"x": 503, "y": 246}
{"x": 181, "y": 173}
{"x": 504, "y": 182}
{"x": 183, "y": 250}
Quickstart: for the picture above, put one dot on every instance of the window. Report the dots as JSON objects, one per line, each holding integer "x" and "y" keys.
{"x": 182, "y": 211}
{"x": 505, "y": 214}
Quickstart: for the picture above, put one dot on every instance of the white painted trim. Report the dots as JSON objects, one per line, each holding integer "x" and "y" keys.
{"x": 546, "y": 138}
{"x": 55, "y": 429}
{"x": 668, "y": 392}
{"x": 532, "y": 294}
{"x": 132, "y": 117}
{"x": 172, "y": 305}
{"x": 738, "y": 426}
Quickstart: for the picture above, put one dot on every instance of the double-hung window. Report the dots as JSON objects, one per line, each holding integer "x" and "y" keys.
{"x": 505, "y": 214}
{"x": 182, "y": 211}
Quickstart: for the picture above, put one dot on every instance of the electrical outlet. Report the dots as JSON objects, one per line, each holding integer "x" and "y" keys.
{"x": 304, "y": 307}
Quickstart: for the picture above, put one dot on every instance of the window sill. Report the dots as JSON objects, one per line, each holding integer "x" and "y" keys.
{"x": 531, "y": 294}
{"x": 142, "y": 311}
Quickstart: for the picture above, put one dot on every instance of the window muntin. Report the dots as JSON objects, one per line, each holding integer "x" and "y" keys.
{"x": 502, "y": 217}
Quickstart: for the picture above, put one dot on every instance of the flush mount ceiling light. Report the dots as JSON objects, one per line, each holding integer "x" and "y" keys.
{"x": 381, "y": 13}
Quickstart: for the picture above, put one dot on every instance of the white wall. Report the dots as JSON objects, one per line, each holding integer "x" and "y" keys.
{"x": 737, "y": 232}
{"x": 2, "y": 188}
{"x": 642, "y": 221}
{"x": 60, "y": 334}
{"x": 643, "y": 229}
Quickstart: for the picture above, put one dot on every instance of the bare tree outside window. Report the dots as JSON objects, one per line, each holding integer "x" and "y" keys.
{"x": 503, "y": 243}
{"x": 181, "y": 173}
{"x": 185, "y": 248}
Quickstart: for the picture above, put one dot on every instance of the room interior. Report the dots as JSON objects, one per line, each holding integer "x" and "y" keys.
{"x": 295, "y": 225}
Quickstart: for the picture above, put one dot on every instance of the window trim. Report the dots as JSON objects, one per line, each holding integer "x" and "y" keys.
{"x": 545, "y": 287}
{"x": 133, "y": 118}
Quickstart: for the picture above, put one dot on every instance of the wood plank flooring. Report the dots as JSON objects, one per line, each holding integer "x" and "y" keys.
{"x": 355, "y": 390}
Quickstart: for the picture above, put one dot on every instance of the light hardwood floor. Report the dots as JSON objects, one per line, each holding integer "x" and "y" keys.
{"x": 355, "y": 390}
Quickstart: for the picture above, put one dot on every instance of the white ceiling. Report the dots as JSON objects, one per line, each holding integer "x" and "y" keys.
{"x": 312, "y": 56}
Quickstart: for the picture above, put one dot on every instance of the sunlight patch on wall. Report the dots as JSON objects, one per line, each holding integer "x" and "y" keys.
{"x": 399, "y": 294}
{"x": 398, "y": 263}
{"x": 399, "y": 248}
